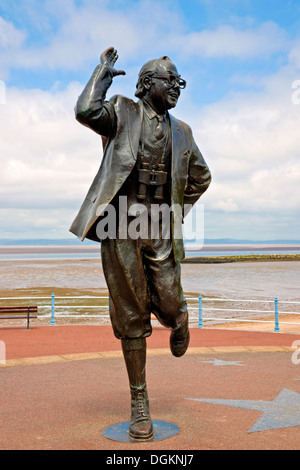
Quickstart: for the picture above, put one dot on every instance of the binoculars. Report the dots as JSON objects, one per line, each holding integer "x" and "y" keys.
{"x": 154, "y": 178}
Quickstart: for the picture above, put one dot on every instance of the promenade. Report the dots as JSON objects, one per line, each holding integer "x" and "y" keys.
{"x": 62, "y": 386}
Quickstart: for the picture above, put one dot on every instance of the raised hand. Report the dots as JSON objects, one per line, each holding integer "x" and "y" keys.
{"x": 108, "y": 59}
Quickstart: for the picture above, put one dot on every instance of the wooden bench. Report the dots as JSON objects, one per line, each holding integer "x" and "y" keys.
{"x": 14, "y": 313}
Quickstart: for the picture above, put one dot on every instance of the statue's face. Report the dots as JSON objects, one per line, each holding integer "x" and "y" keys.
{"x": 164, "y": 91}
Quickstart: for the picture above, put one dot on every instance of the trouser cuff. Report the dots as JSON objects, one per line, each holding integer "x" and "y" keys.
{"x": 135, "y": 344}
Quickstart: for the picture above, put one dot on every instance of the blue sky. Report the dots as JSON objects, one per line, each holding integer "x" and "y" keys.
{"x": 240, "y": 59}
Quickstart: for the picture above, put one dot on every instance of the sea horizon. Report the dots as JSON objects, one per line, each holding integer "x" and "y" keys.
{"x": 88, "y": 250}
{"x": 191, "y": 243}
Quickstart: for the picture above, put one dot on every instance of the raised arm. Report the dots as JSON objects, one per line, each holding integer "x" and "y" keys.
{"x": 90, "y": 109}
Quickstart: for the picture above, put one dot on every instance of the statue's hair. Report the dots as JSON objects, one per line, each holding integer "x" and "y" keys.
{"x": 147, "y": 71}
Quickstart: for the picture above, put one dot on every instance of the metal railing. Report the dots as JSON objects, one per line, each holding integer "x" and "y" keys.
{"x": 198, "y": 318}
{"x": 275, "y": 302}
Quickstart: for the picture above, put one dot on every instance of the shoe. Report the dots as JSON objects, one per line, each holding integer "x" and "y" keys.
{"x": 180, "y": 338}
{"x": 141, "y": 427}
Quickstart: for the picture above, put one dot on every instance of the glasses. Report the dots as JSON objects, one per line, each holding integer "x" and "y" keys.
{"x": 172, "y": 80}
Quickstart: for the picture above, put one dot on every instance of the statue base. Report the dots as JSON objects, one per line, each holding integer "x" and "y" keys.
{"x": 162, "y": 430}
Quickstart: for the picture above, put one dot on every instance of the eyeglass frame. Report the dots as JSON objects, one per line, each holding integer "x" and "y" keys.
{"x": 166, "y": 76}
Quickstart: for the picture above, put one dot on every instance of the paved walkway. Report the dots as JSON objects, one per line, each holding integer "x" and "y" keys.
{"x": 62, "y": 386}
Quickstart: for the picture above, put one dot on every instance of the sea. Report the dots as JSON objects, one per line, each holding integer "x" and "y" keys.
{"x": 36, "y": 268}
{"x": 60, "y": 251}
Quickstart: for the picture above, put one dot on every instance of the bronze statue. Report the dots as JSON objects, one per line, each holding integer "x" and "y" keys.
{"x": 150, "y": 158}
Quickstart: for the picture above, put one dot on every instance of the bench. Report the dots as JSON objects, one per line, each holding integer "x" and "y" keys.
{"x": 14, "y": 313}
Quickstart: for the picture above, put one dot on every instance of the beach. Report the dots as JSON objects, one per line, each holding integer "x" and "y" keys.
{"x": 260, "y": 282}
{"x": 192, "y": 250}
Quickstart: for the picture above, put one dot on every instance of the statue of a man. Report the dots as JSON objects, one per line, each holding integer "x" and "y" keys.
{"x": 151, "y": 159}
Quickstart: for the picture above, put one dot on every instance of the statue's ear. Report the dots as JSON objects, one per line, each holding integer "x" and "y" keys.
{"x": 147, "y": 82}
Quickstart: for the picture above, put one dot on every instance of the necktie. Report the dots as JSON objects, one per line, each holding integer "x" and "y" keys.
{"x": 159, "y": 129}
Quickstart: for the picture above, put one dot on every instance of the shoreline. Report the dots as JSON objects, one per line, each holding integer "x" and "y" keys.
{"x": 213, "y": 256}
{"x": 239, "y": 259}
{"x": 287, "y": 324}
{"x": 217, "y": 283}
{"x": 27, "y": 249}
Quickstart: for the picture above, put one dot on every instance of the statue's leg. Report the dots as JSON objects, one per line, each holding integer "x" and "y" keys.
{"x": 168, "y": 303}
{"x": 129, "y": 309}
{"x": 134, "y": 351}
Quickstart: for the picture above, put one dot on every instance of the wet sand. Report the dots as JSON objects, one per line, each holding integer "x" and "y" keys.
{"x": 243, "y": 281}
{"x": 95, "y": 248}
{"x": 238, "y": 280}
{"x": 59, "y": 249}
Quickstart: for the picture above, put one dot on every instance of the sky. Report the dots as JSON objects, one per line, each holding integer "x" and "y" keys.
{"x": 241, "y": 61}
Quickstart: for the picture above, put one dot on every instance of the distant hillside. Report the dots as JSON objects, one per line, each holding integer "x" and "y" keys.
{"x": 74, "y": 241}
{"x": 233, "y": 241}
{"x": 45, "y": 242}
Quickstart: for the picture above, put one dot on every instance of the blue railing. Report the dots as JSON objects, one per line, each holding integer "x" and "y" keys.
{"x": 275, "y": 302}
{"x": 200, "y": 308}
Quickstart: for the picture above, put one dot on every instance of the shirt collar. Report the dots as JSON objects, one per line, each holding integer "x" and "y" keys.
{"x": 150, "y": 111}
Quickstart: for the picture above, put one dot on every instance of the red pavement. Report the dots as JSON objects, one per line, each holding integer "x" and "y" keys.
{"x": 68, "y": 405}
{"x": 71, "y": 339}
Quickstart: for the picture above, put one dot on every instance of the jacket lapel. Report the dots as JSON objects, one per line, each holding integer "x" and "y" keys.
{"x": 134, "y": 121}
{"x": 176, "y": 144}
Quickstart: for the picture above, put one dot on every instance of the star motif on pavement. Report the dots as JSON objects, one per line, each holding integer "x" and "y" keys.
{"x": 219, "y": 362}
{"x": 282, "y": 412}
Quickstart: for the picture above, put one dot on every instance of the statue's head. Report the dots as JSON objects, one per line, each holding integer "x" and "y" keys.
{"x": 160, "y": 83}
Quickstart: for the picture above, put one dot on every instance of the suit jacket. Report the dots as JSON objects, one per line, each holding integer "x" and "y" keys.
{"x": 119, "y": 123}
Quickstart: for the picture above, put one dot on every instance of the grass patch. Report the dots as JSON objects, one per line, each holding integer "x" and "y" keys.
{"x": 238, "y": 259}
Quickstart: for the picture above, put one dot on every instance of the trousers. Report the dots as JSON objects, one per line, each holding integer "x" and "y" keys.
{"x": 142, "y": 278}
